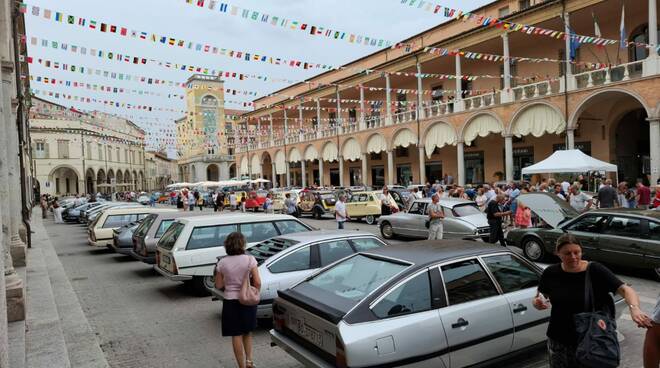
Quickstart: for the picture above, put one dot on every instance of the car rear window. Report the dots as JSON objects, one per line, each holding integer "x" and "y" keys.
{"x": 290, "y": 226}
{"x": 117, "y": 221}
{"x": 144, "y": 226}
{"x": 345, "y": 284}
{"x": 164, "y": 225}
{"x": 210, "y": 236}
{"x": 171, "y": 235}
{"x": 269, "y": 248}
{"x": 466, "y": 210}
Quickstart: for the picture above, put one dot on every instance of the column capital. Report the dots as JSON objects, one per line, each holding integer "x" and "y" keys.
{"x": 507, "y": 135}
{"x": 653, "y": 119}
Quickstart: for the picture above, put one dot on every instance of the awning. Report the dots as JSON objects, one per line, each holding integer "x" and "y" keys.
{"x": 351, "y": 150}
{"x": 439, "y": 135}
{"x": 256, "y": 165}
{"x": 376, "y": 144}
{"x": 244, "y": 165}
{"x": 280, "y": 163}
{"x": 311, "y": 153}
{"x": 404, "y": 138}
{"x": 330, "y": 152}
{"x": 537, "y": 121}
{"x": 481, "y": 126}
{"x": 294, "y": 155}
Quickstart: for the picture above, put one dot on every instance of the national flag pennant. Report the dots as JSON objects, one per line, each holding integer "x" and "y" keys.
{"x": 71, "y": 19}
{"x": 23, "y": 8}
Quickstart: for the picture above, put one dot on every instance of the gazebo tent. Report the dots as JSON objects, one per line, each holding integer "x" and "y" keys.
{"x": 569, "y": 161}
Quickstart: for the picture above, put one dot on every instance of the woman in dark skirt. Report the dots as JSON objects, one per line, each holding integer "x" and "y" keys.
{"x": 238, "y": 320}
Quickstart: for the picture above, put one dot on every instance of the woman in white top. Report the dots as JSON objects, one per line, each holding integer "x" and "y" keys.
{"x": 481, "y": 199}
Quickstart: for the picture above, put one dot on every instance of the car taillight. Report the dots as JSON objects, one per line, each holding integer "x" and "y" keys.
{"x": 340, "y": 355}
{"x": 174, "y": 269}
{"x": 157, "y": 258}
{"x": 279, "y": 320}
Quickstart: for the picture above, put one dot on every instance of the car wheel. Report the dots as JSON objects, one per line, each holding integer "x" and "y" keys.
{"x": 657, "y": 272}
{"x": 533, "y": 249}
{"x": 318, "y": 214}
{"x": 201, "y": 284}
{"x": 370, "y": 219}
{"x": 386, "y": 230}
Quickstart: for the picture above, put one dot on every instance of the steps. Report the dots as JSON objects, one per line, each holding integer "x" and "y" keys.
{"x": 56, "y": 332}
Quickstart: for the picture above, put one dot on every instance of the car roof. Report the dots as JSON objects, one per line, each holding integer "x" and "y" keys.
{"x": 143, "y": 209}
{"x": 425, "y": 252}
{"x": 234, "y": 218}
{"x": 179, "y": 214}
{"x": 628, "y": 211}
{"x": 321, "y": 235}
{"x": 448, "y": 202}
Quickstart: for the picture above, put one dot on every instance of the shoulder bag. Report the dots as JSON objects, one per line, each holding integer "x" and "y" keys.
{"x": 598, "y": 346}
{"x": 249, "y": 295}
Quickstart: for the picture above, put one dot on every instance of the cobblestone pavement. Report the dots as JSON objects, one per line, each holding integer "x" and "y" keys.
{"x": 144, "y": 320}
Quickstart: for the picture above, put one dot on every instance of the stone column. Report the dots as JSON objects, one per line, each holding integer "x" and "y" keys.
{"x": 508, "y": 157}
{"x": 422, "y": 165}
{"x": 339, "y": 119}
{"x": 300, "y": 120}
{"x": 654, "y": 131}
{"x": 286, "y": 128}
{"x": 363, "y": 125}
{"x": 321, "y": 172}
{"x": 390, "y": 167}
{"x": 570, "y": 135}
{"x": 258, "y": 133}
{"x": 420, "y": 93}
{"x": 388, "y": 100}
{"x": 270, "y": 118}
{"x": 319, "y": 133}
{"x": 460, "y": 163}
{"x": 567, "y": 59}
{"x": 341, "y": 170}
{"x": 458, "y": 99}
{"x": 303, "y": 173}
{"x": 365, "y": 157}
{"x": 273, "y": 174}
{"x": 651, "y": 64}
{"x": 288, "y": 174}
{"x": 506, "y": 93}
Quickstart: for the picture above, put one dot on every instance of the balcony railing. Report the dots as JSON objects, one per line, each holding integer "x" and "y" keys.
{"x": 600, "y": 77}
{"x": 534, "y": 90}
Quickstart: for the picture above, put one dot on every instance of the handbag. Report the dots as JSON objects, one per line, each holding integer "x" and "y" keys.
{"x": 598, "y": 346}
{"x": 249, "y": 295}
{"x": 427, "y": 224}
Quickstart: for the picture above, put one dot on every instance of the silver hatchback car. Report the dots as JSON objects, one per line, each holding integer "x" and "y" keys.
{"x": 449, "y": 303}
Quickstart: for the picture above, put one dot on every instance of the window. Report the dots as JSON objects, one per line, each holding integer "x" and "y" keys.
{"x": 332, "y": 118}
{"x": 126, "y": 155}
{"x": 88, "y": 150}
{"x": 258, "y": 231}
{"x": 590, "y": 224}
{"x": 654, "y": 230}
{"x": 365, "y": 244}
{"x": 118, "y": 151}
{"x": 62, "y": 149}
{"x": 144, "y": 226}
{"x": 410, "y": 297}
{"x": 296, "y": 261}
{"x": 334, "y": 251}
{"x": 511, "y": 273}
{"x": 465, "y": 210}
{"x": 290, "y": 226}
{"x": 171, "y": 235}
{"x": 164, "y": 225}
{"x": 352, "y": 115}
{"x": 437, "y": 94}
{"x": 113, "y": 221}
{"x": 624, "y": 226}
{"x": 466, "y": 281}
{"x": 503, "y": 12}
{"x": 40, "y": 148}
{"x": 210, "y": 236}
{"x": 418, "y": 208}
{"x": 523, "y": 4}
{"x": 361, "y": 197}
{"x": 100, "y": 151}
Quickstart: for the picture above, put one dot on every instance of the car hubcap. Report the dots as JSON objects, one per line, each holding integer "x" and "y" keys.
{"x": 208, "y": 282}
{"x": 657, "y": 271}
{"x": 370, "y": 220}
{"x": 533, "y": 249}
{"x": 387, "y": 231}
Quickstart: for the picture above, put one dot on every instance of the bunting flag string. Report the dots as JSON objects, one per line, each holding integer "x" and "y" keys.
{"x": 101, "y": 88}
{"x": 291, "y": 24}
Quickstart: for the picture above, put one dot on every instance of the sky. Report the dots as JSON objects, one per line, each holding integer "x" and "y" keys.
{"x": 382, "y": 19}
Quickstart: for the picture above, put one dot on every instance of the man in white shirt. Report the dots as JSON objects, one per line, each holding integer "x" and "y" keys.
{"x": 417, "y": 193}
{"x": 340, "y": 211}
{"x": 578, "y": 200}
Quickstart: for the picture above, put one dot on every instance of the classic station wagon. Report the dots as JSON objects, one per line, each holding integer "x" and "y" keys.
{"x": 364, "y": 205}
{"x": 317, "y": 203}
{"x": 101, "y": 230}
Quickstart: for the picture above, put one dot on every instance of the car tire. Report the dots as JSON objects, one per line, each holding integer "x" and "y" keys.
{"x": 386, "y": 230}
{"x": 656, "y": 272}
{"x": 318, "y": 214}
{"x": 199, "y": 285}
{"x": 533, "y": 249}
{"x": 370, "y": 219}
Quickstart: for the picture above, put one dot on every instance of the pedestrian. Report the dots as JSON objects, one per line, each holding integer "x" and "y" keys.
{"x": 436, "y": 216}
{"x": 243, "y": 202}
{"x": 562, "y": 289}
{"x": 340, "y": 211}
{"x": 607, "y": 196}
{"x": 44, "y": 206}
{"x": 200, "y": 202}
{"x": 652, "y": 340}
{"x": 656, "y": 199}
{"x": 579, "y": 200}
{"x": 268, "y": 204}
{"x": 184, "y": 198}
{"x": 233, "y": 201}
{"x": 495, "y": 213}
{"x": 417, "y": 194}
{"x": 558, "y": 193}
{"x": 179, "y": 202}
{"x": 191, "y": 201}
{"x": 387, "y": 203}
{"x": 290, "y": 205}
{"x": 481, "y": 199}
{"x": 238, "y": 320}
{"x": 214, "y": 199}
{"x": 523, "y": 217}
{"x": 220, "y": 201}
{"x": 57, "y": 211}
{"x": 643, "y": 196}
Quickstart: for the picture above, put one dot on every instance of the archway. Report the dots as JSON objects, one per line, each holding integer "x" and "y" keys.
{"x": 140, "y": 179}
{"x": 440, "y": 157}
{"x": 90, "y": 177}
{"x": 128, "y": 181}
{"x": 482, "y": 158}
{"x": 65, "y": 180}
{"x": 212, "y": 172}
{"x": 267, "y": 163}
{"x": 232, "y": 170}
{"x": 255, "y": 162}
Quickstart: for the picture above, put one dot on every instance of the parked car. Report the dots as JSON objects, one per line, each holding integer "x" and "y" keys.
{"x": 278, "y": 201}
{"x": 615, "y": 236}
{"x": 73, "y": 214}
{"x": 401, "y": 196}
{"x": 287, "y": 259}
{"x": 463, "y": 220}
{"x": 151, "y": 229}
{"x": 189, "y": 249}
{"x": 239, "y": 197}
{"x": 317, "y": 203}
{"x": 122, "y": 238}
{"x": 421, "y": 304}
{"x": 115, "y": 205}
{"x": 255, "y": 200}
{"x": 364, "y": 205}
{"x": 144, "y": 199}
{"x": 101, "y": 229}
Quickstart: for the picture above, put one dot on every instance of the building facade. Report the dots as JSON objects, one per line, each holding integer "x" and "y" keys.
{"x": 205, "y": 136}
{"x": 476, "y": 98}
{"x": 161, "y": 170}
{"x": 76, "y": 153}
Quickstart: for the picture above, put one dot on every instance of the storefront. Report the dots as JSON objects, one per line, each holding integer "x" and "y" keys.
{"x": 474, "y": 167}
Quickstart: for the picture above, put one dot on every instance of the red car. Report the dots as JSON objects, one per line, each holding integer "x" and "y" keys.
{"x": 256, "y": 200}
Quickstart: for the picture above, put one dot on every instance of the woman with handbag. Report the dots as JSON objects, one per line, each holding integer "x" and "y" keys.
{"x": 238, "y": 274}
{"x": 573, "y": 289}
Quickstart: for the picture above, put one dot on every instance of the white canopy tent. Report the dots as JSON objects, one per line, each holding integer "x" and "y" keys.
{"x": 570, "y": 161}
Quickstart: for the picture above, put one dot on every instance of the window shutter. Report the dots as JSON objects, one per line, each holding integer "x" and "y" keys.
{"x": 33, "y": 146}
{"x": 46, "y": 150}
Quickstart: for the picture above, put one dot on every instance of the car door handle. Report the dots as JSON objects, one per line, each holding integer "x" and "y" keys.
{"x": 519, "y": 308}
{"x": 460, "y": 323}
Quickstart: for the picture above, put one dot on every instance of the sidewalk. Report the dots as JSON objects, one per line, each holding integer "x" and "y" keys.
{"x": 56, "y": 332}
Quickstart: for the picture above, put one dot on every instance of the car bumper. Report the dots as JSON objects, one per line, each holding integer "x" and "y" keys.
{"x": 146, "y": 259}
{"x": 297, "y": 351}
{"x": 99, "y": 242}
{"x": 172, "y": 276}
{"x": 121, "y": 250}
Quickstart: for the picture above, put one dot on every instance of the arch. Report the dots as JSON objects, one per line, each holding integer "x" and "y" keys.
{"x": 111, "y": 175}
{"x": 65, "y": 179}
{"x": 90, "y": 178}
{"x": 232, "y": 170}
{"x": 100, "y": 177}
{"x": 244, "y": 165}
{"x": 587, "y": 101}
{"x": 351, "y": 150}
{"x": 265, "y": 156}
{"x": 208, "y": 100}
{"x": 311, "y": 153}
{"x": 280, "y": 163}
{"x": 537, "y": 119}
{"x": 438, "y": 135}
{"x": 481, "y": 125}
{"x": 212, "y": 172}
{"x": 294, "y": 155}
{"x": 141, "y": 178}
{"x": 58, "y": 167}
{"x": 403, "y": 138}
{"x": 256, "y": 165}
{"x": 330, "y": 152}
{"x": 375, "y": 144}
{"x": 120, "y": 177}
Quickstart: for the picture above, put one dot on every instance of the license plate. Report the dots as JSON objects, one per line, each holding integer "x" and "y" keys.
{"x": 165, "y": 259}
{"x": 307, "y": 332}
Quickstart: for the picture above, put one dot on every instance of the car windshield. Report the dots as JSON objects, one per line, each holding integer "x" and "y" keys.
{"x": 466, "y": 210}
{"x": 328, "y": 196}
{"x": 171, "y": 235}
{"x": 269, "y": 248}
{"x": 164, "y": 225}
{"x": 345, "y": 284}
{"x": 144, "y": 226}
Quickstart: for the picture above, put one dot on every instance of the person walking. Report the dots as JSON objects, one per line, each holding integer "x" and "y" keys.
{"x": 481, "y": 199}
{"x": 607, "y": 196}
{"x": 200, "y": 202}
{"x": 290, "y": 205}
{"x": 191, "y": 201}
{"x": 436, "y": 215}
{"x": 220, "y": 201}
{"x": 495, "y": 213}
{"x": 44, "y": 206}
{"x": 387, "y": 203}
{"x": 268, "y": 204}
{"x": 340, "y": 211}
{"x": 523, "y": 217}
{"x": 214, "y": 199}
{"x": 562, "y": 289}
{"x": 238, "y": 320}
{"x": 643, "y": 197}
{"x": 57, "y": 212}
{"x": 233, "y": 201}
{"x": 180, "y": 202}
